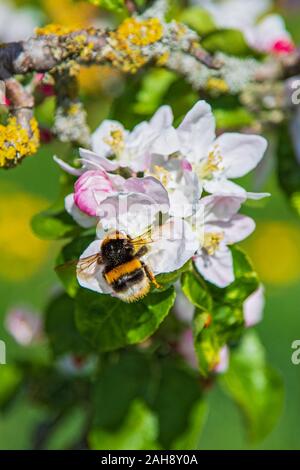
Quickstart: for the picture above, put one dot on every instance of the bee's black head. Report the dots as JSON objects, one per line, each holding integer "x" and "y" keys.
{"x": 117, "y": 251}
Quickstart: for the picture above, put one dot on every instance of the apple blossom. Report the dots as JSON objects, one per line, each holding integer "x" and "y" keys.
{"x": 268, "y": 35}
{"x": 217, "y": 160}
{"x": 223, "y": 226}
{"x": 132, "y": 149}
{"x": 173, "y": 242}
{"x": 24, "y": 326}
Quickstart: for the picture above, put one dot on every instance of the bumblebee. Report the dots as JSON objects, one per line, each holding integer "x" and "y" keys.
{"x": 123, "y": 270}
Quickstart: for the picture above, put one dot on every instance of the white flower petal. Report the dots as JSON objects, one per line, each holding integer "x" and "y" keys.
{"x": 223, "y": 186}
{"x": 237, "y": 229}
{"x": 216, "y": 268}
{"x": 257, "y": 196}
{"x": 240, "y": 153}
{"x": 151, "y": 187}
{"x": 130, "y": 213}
{"x": 174, "y": 245}
{"x": 220, "y": 207}
{"x": 67, "y": 168}
{"x": 92, "y": 277}
{"x": 162, "y": 118}
{"x": 82, "y": 219}
{"x": 253, "y": 307}
{"x": 166, "y": 143}
{"x": 92, "y": 161}
{"x": 197, "y": 132}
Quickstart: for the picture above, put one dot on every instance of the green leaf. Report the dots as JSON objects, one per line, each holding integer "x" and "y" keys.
{"x": 153, "y": 88}
{"x": 10, "y": 380}
{"x": 55, "y": 223}
{"x": 189, "y": 440}
{"x": 236, "y": 118}
{"x": 198, "y": 19}
{"x": 245, "y": 283}
{"x": 167, "y": 279}
{"x": 112, "y": 5}
{"x": 178, "y": 393}
{"x": 65, "y": 268}
{"x": 108, "y": 323}
{"x": 288, "y": 168}
{"x": 196, "y": 292}
{"x": 229, "y": 41}
{"x": 254, "y": 386}
{"x": 61, "y": 328}
{"x": 122, "y": 380}
{"x": 207, "y": 343}
{"x": 138, "y": 432}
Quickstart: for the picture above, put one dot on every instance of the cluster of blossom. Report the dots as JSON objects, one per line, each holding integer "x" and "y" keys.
{"x": 267, "y": 34}
{"x": 174, "y": 183}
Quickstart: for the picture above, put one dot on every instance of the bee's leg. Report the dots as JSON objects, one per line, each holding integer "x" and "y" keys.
{"x": 141, "y": 252}
{"x": 151, "y": 276}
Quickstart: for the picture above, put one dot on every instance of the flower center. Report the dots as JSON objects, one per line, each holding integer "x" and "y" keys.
{"x": 116, "y": 141}
{"x": 161, "y": 174}
{"x": 210, "y": 165}
{"x": 212, "y": 241}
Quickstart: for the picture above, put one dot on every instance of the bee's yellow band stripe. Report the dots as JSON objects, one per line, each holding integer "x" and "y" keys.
{"x": 119, "y": 271}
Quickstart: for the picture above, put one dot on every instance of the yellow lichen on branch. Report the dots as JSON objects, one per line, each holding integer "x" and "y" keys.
{"x": 16, "y": 142}
{"x": 126, "y": 44}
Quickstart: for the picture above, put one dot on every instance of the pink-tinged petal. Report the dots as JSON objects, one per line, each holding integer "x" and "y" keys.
{"x": 240, "y": 153}
{"x": 253, "y": 307}
{"x": 25, "y": 326}
{"x": 269, "y": 31}
{"x": 220, "y": 207}
{"x": 216, "y": 268}
{"x": 186, "y": 166}
{"x": 151, "y": 187}
{"x": 186, "y": 349}
{"x": 183, "y": 309}
{"x": 68, "y": 168}
{"x": 257, "y": 196}
{"x": 92, "y": 277}
{"x": 237, "y": 229}
{"x": 197, "y": 132}
{"x": 283, "y": 46}
{"x": 82, "y": 219}
{"x": 174, "y": 243}
{"x": 223, "y": 363}
{"x": 223, "y": 186}
{"x": 93, "y": 187}
{"x": 92, "y": 161}
{"x": 162, "y": 118}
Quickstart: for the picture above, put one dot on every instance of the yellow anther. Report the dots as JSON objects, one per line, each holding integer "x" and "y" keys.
{"x": 212, "y": 241}
{"x": 116, "y": 141}
{"x": 211, "y": 164}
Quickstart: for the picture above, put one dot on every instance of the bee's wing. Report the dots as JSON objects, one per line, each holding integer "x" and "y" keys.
{"x": 143, "y": 239}
{"x": 82, "y": 264}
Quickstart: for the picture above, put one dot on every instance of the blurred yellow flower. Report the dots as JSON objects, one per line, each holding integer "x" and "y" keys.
{"x": 70, "y": 13}
{"x": 22, "y": 253}
{"x": 275, "y": 251}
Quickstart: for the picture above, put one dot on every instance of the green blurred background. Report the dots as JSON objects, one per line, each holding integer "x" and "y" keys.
{"x": 27, "y": 279}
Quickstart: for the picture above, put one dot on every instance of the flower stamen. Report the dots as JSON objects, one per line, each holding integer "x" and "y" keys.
{"x": 212, "y": 242}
